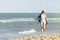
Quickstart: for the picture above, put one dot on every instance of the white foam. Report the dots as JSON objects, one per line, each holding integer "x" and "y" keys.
{"x": 16, "y": 19}
{"x": 24, "y": 19}
{"x": 53, "y": 18}
{"x": 27, "y": 32}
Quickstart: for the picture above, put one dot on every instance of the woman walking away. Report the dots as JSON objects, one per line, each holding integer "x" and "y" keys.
{"x": 42, "y": 20}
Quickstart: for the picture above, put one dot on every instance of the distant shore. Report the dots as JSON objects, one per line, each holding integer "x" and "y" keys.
{"x": 46, "y": 36}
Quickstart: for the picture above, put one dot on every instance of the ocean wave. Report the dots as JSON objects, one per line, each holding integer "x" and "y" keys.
{"x": 27, "y": 32}
{"x": 25, "y": 19}
{"x": 16, "y": 34}
{"x": 53, "y": 18}
{"x": 16, "y": 19}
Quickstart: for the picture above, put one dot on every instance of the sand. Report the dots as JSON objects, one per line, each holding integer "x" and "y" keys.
{"x": 45, "y": 36}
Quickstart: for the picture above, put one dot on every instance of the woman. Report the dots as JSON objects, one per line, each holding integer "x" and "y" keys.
{"x": 42, "y": 20}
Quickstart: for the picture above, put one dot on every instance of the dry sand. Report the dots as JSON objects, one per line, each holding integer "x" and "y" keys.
{"x": 47, "y": 36}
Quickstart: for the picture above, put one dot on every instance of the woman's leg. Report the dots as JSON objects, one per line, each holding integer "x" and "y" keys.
{"x": 44, "y": 26}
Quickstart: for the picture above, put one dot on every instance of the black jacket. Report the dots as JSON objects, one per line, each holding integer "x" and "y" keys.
{"x": 39, "y": 19}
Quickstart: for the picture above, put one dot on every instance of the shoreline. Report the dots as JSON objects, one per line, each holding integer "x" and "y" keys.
{"x": 44, "y": 36}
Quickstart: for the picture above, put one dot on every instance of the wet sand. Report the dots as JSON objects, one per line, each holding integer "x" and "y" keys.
{"x": 45, "y": 36}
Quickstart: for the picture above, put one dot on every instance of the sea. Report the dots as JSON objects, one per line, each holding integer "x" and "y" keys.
{"x": 25, "y": 24}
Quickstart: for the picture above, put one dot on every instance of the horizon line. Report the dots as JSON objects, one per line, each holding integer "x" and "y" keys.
{"x": 21, "y": 12}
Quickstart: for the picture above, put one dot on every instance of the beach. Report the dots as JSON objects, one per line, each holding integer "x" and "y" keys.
{"x": 43, "y": 36}
{"x": 22, "y": 26}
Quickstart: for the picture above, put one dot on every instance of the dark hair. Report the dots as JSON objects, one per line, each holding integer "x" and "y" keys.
{"x": 42, "y": 12}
